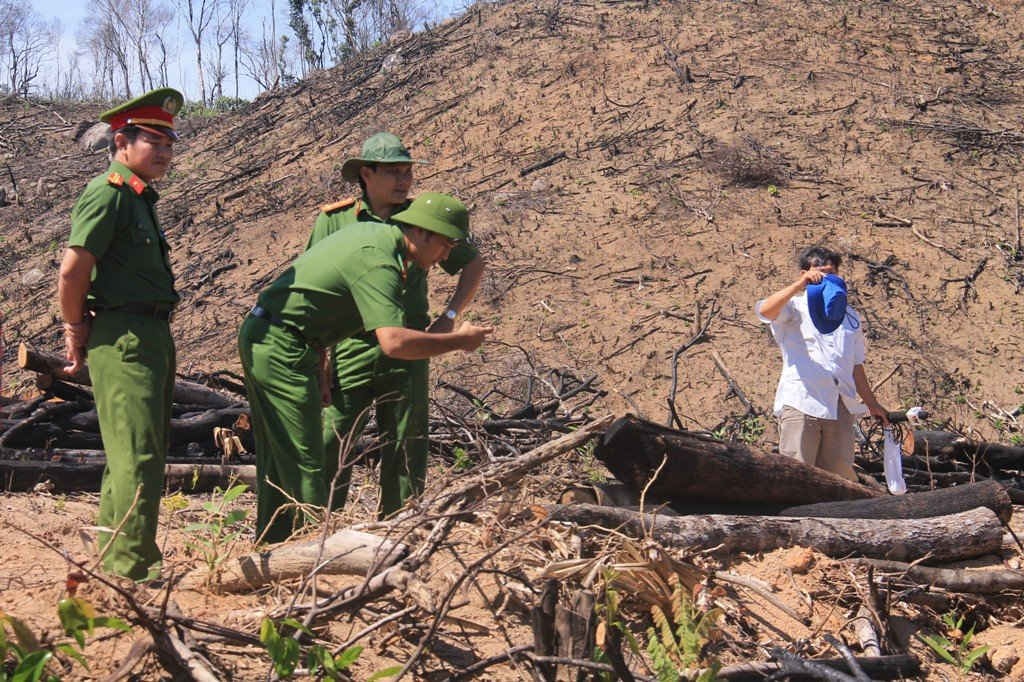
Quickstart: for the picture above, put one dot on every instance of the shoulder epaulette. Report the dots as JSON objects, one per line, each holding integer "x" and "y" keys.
{"x": 115, "y": 179}
{"x": 338, "y": 205}
{"x": 137, "y": 184}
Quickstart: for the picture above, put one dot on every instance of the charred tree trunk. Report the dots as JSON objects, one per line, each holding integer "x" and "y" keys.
{"x": 62, "y": 477}
{"x": 184, "y": 391}
{"x": 196, "y": 428}
{"x": 945, "y": 538}
{"x": 698, "y": 468}
{"x": 990, "y": 456}
{"x": 941, "y": 502}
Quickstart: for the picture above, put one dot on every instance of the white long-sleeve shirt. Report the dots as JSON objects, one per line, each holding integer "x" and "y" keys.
{"x": 817, "y": 369}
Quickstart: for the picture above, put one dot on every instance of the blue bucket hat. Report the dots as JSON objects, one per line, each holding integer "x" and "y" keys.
{"x": 826, "y": 302}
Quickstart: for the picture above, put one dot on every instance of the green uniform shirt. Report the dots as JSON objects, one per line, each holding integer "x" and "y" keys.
{"x": 417, "y": 311}
{"x": 115, "y": 221}
{"x": 350, "y": 281}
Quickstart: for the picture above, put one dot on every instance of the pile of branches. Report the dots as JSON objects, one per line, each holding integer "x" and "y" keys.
{"x": 54, "y": 438}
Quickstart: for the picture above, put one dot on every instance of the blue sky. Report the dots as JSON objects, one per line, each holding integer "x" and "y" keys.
{"x": 71, "y": 12}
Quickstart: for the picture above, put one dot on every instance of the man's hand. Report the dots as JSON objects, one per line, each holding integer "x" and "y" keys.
{"x": 472, "y": 336}
{"x": 76, "y": 337}
{"x": 812, "y": 276}
{"x": 876, "y": 410}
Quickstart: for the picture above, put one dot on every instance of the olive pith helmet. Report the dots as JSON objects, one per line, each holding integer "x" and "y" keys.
{"x": 153, "y": 111}
{"x": 378, "y": 148}
{"x": 440, "y": 213}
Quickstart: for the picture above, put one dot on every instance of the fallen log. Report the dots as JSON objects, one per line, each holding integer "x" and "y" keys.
{"x": 184, "y": 391}
{"x": 64, "y": 477}
{"x": 947, "y": 444}
{"x": 347, "y": 552}
{"x": 971, "y": 580}
{"x": 46, "y": 412}
{"x": 196, "y": 428}
{"x": 894, "y": 667}
{"x": 945, "y": 538}
{"x": 686, "y": 467}
{"x": 62, "y": 389}
{"x": 922, "y": 505}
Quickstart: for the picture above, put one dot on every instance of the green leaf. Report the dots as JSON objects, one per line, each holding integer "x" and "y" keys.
{"x": 235, "y": 516}
{"x": 386, "y": 672}
{"x": 74, "y": 653}
{"x": 73, "y": 617}
{"x": 940, "y": 645}
{"x": 319, "y": 658}
{"x": 24, "y": 633}
{"x": 347, "y": 657}
{"x": 268, "y": 633}
{"x": 32, "y": 667}
{"x": 972, "y": 658}
{"x": 297, "y": 625}
{"x": 233, "y": 493}
{"x": 111, "y": 622}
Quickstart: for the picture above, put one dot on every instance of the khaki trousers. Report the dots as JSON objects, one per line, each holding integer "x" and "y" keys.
{"x": 824, "y": 443}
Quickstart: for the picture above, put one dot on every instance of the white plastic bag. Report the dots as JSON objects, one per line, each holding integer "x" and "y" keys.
{"x": 893, "y": 464}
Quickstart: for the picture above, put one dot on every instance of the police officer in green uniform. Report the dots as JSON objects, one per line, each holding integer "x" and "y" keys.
{"x": 116, "y": 293}
{"x": 363, "y": 374}
{"x": 350, "y": 282}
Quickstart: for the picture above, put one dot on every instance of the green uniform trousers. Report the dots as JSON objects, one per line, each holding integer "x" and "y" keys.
{"x": 282, "y": 379}
{"x": 400, "y": 390}
{"x": 132, "y": 362}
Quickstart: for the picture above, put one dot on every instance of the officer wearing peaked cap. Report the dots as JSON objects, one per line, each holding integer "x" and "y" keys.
{"x": 116, "y": 293}
{"x": 350, "y": 282}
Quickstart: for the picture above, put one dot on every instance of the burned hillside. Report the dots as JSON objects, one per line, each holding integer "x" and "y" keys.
{"x": 639, "y": 174}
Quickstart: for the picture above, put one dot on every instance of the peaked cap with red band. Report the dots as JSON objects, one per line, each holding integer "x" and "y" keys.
{"x": 153, "y": 111}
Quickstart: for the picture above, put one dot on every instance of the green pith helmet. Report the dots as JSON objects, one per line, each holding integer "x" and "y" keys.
{"x": 440, "y": 213}
{"x": 153, "y": 111}
{"x": 378, "y": 148}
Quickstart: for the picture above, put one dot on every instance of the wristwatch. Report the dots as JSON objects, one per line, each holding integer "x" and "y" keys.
{"x": 451, "y": 314}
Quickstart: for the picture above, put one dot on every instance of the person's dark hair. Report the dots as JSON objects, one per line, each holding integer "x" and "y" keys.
{"x": 131, "y": 132}
{"x": 819, "y": 255}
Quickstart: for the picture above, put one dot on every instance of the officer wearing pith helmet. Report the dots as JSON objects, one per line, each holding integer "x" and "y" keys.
{"x": 116, "y": 294}
{"x": 350, "y": 282}
{"x": 363, "y": 375}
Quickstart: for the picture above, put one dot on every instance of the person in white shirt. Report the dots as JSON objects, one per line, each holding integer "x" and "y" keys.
{"x": 822, "y": 365}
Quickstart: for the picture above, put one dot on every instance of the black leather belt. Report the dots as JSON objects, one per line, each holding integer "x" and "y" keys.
{"x": 158, "y": 311}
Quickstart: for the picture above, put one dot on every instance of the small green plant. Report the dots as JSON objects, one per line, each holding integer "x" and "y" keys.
{"x": 285, "y": 653}
{"x": 676, "y": 646}
{"x": 24, "y": 658}
{"x": 955, "y": 645}
{"x": 213, "y": 537}
{"x": 462, "y": 462}
{"x": 611, "y": 630}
